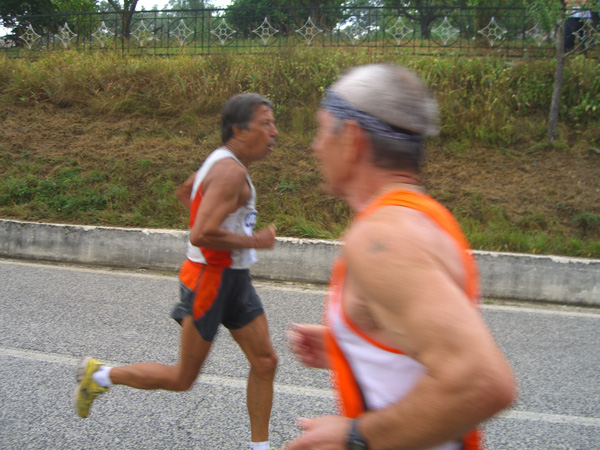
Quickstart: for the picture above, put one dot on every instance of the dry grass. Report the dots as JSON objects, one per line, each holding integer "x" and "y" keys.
{"x": 86, "y": 140}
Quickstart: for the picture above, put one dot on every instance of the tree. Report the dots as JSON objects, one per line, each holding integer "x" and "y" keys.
{"x": 285, "y": 15}
{"x": 126, "y": 12}
{"x": 424, "y": 12}
{"x": 551, "y": 15}
{"x": 14, "y": 13}
{"x": 75, "y": 6}
{"x": 192, "y": 13}
{"x": 79, "y": 22}
{"x": 186, "y": 4}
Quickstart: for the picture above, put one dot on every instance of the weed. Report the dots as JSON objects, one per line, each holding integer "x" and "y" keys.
{"x": 588, "y": 223}
{"x": 17, "y": 191}
{"x": 287, "y": 186}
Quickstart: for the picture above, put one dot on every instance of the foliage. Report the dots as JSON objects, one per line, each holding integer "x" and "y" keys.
{"x": 198, "y": 22}
{"x": 73, "y": 13}
{"x": 126, "y": 12}
{"x": 103, "y": 5}
{"x": 290, "y": 14}
{"x": 424, "y": 12}
{"x": 186, "y": 4}
{"x": 10, "y": 10}
{"x": 430, "y": 13}
{"x": 504, "y": 3}
{"x": 75, "y": 6}
{"x": 548, "y": 13}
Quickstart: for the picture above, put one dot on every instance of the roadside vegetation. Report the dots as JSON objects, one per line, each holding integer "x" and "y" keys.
{"x": 98, "y": 138}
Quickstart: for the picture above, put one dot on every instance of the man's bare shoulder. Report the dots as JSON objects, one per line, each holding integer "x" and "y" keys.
{"x": 229, "y": 166}
{"x": 403, "y": 271}
{"x": 396, "y": 232}
{"x": 227, "y": 171}
{"x": 397, "y": 241}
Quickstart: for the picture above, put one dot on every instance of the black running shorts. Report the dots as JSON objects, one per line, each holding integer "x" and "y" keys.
{"x": 214, "y": 295}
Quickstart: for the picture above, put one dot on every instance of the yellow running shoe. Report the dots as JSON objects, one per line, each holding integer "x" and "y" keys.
{"x": 87, "y": 389}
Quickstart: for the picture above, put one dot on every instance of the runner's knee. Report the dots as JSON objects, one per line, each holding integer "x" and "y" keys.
{"x": 182, "y": 384}
{"x": 181, "y": 381}
{"x": 265, "y": 365}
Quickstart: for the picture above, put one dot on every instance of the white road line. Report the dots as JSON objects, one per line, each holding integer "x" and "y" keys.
{"x": 282, "y": 388}
{"x": 290, "y": 287}
{"x": 543, "y": 309}
{"x": 551, "y": 418}
{"x": 72, "y": 268}
{"x": 233, "y": 382}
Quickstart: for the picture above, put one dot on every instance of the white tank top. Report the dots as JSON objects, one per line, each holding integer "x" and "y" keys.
{"x": 385, "y": 376}
{"x": 241, "y": 221}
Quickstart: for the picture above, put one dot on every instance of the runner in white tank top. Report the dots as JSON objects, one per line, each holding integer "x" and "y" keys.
{"x": 241, "y": 221}
{"x": 215, "y": 284}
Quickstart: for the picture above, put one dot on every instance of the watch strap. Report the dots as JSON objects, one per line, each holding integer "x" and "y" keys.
{"x": 355, "y": 440}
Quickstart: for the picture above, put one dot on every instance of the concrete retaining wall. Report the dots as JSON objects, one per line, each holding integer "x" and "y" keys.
{"x": 504, "y": 275}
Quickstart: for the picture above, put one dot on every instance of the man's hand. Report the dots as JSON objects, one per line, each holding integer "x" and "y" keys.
{"x": 322, "y": 433}
{"x": 306, "y": 342}
{"x": 265, "y": 238}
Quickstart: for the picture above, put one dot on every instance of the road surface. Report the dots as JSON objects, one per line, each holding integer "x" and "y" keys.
{"x": 51, "y": 315}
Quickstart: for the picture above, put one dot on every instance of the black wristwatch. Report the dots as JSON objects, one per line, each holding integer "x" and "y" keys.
{"x": 355, "y": 439}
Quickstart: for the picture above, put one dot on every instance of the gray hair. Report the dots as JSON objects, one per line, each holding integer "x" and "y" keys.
{"x": 398, "y": 97}
{"x": 391, "y": 93}
{"x": 239, "y": 111}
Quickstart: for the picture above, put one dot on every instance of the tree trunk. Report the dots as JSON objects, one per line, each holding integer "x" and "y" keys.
{"x": 128, "y": 12}
{"x": 558, "y": 83}
{"x": 126, "y": 20}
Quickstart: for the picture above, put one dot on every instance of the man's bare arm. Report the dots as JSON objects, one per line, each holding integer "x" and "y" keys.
{"x": 398, "y": 280}
{"x": 223, "y": 193}
{"x": 425, "y": 313}
{"x": 184, "y": 192}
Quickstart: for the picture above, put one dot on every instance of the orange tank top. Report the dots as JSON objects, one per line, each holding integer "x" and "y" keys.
{"x": 363, "y": 383}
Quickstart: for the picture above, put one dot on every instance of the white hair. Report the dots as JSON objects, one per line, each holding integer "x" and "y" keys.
{"x": 391, "y": 93}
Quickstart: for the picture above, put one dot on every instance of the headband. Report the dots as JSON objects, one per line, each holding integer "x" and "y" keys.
{"x": 339, "y": 107}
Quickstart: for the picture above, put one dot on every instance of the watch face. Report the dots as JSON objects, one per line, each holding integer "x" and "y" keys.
{"x": 356, "y": 442}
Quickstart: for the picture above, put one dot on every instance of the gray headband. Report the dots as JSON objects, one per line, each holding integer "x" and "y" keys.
{"x": 339, "y": 107}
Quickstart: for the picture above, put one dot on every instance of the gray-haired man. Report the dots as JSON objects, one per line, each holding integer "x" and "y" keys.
{"x": 414, "y": 365}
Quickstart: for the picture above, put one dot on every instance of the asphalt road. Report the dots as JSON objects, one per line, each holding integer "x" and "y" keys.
{"x": 51, "y": 315}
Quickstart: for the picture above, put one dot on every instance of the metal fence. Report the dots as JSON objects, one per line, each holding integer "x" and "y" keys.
{"x": 474, "y": 31}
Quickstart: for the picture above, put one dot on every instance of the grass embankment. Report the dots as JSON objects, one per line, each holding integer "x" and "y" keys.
{"x": 101, "y": 139}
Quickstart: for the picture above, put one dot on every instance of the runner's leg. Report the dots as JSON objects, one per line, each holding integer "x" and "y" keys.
{"x": 179, "y": 377}
{"x": 254, "y": 341}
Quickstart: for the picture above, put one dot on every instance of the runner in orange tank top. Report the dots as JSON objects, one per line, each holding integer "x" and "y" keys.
{"x": 413, "y": 363}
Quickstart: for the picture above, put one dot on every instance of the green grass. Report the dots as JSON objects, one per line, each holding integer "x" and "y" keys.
{"x": 106, "y": 139}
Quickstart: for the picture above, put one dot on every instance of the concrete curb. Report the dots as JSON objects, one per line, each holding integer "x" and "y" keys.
{"x": 574, "y": 281}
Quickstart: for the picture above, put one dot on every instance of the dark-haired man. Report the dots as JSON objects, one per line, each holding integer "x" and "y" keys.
{"x": 413, "y": 363}
{"x": 215, "y": 284}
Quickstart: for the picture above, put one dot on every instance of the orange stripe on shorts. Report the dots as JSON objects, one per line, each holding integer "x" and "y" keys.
{"x": 205, "y": 281}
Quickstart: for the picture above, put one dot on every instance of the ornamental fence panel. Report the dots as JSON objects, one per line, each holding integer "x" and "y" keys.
{"x": 473, "y": 31}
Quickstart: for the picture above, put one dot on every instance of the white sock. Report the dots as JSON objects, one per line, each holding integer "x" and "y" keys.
{"x": 259, "y": 445}
{"x": 102, "y": 376}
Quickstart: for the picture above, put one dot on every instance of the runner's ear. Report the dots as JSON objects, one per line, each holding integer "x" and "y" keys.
{"x": 237, "y": 132}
